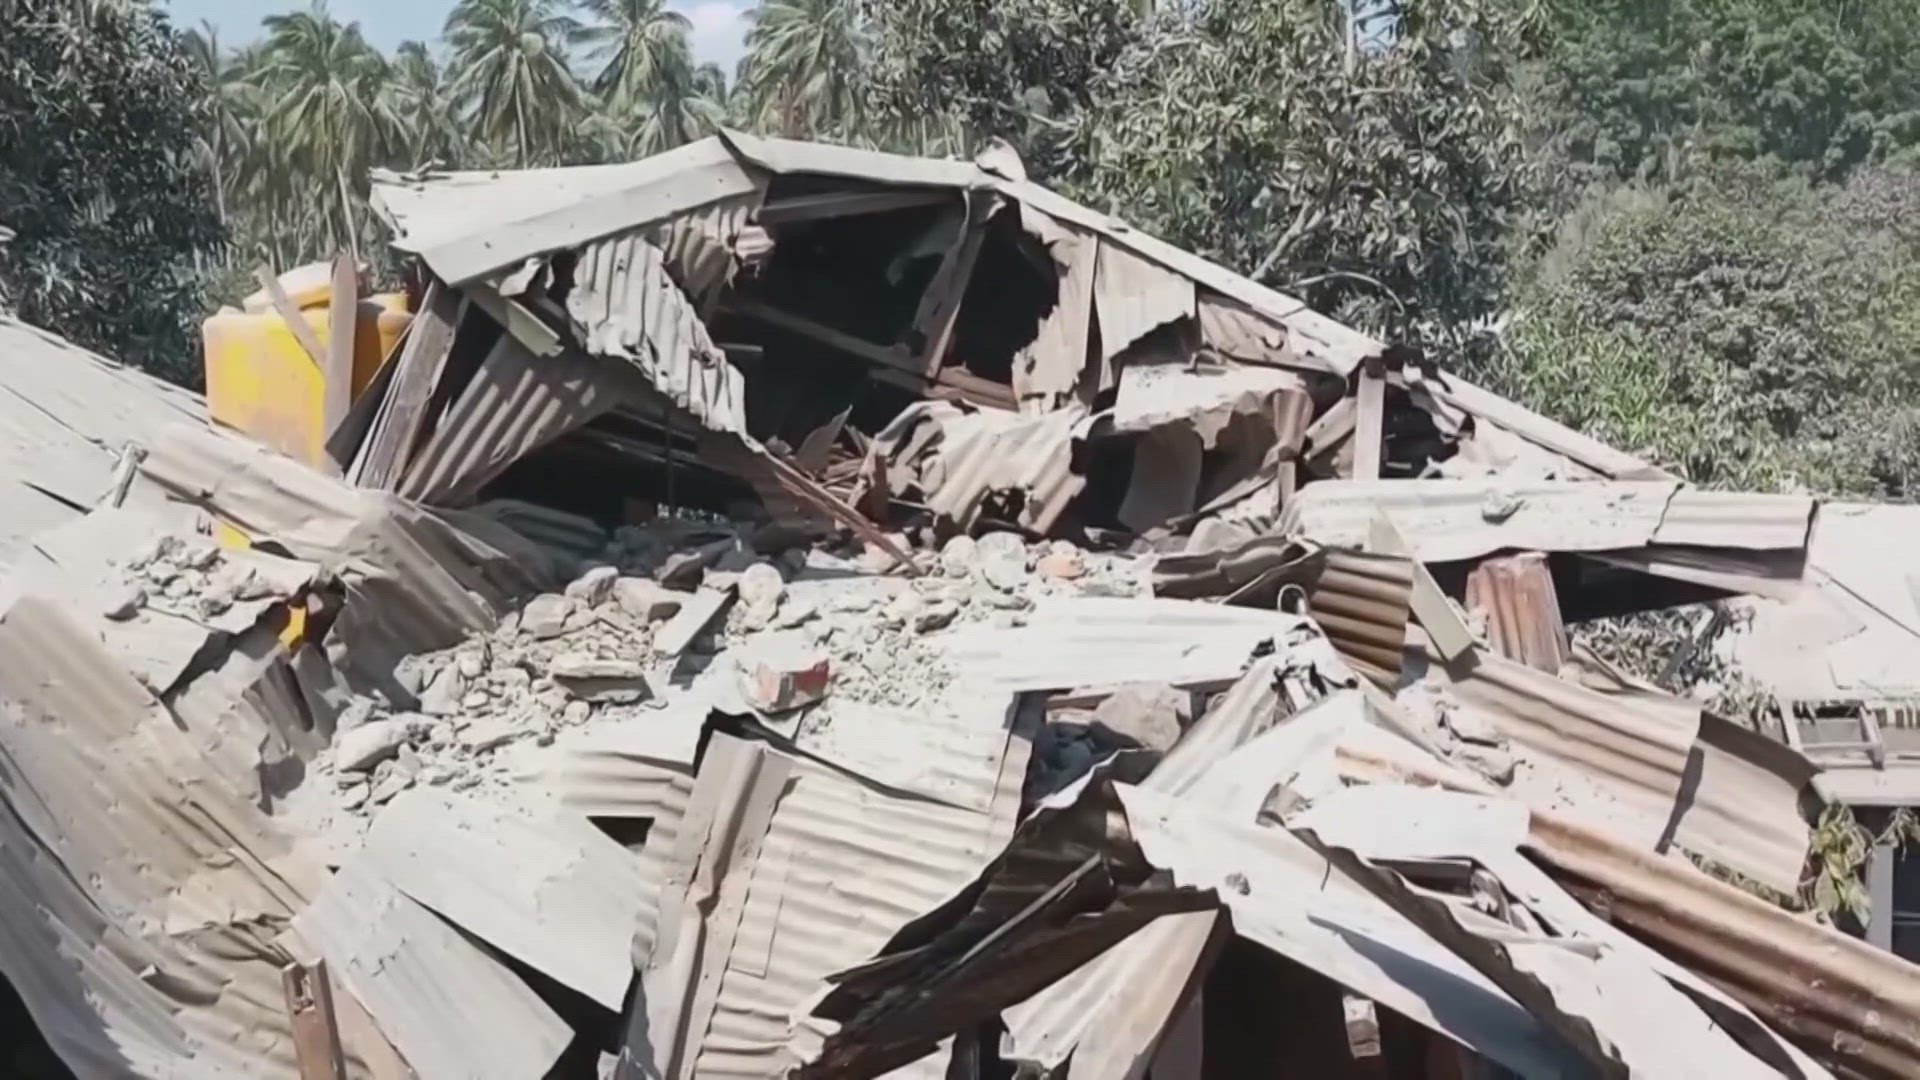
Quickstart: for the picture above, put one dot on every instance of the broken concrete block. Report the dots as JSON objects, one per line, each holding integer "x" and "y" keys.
{"x": 545, "y": 616}
{"x": 587, "y": 678}
{"x": 576, "y": 712}
{"x": 352, "y": 715}
{"x": 354, "y": 796}
{"x": 1148, "y": 715}
{"x": 394, "y": 784}
{"x": 363, "y": 747}
{"x": 781, "y": 672}
{"x": 443, "y": 692}
{"x": 937, "y": 615}
{"x": 690, "y": 622}
{"x": 760, "y": 588}
{"x": 683, "y": 570}
{"x": 197, "y": 553}
{"x": 470, "y": 663}
{"x": 484, "y": 735}
{"x": 957, "y": 556}
{"x": 593, "y": 587}
{"x": 124, "y": 603}
{"x": 1062, "y": 565}
{"x": 1495, "y": 765}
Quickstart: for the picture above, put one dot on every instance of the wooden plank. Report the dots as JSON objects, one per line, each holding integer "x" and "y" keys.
{"x": 316, "y": 1034}
{"x": 289, "y": 314}
{"x": 802, "y": 487}
{"x": 416, "y": 372}
{"x": 1369, "y": 432}
{"x": 343, "y": 331}
{"x": 834, "y": 204}
{"x": 520, "y": 321}
{"x": 886, "y": 355}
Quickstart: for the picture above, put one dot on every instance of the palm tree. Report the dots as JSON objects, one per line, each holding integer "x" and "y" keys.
{"x": 511, "y": 77}
{"x": 424, "y": 106}
{"x": 802, "y": 72}
{"x": 329, "y": 119}
{"x": 640, "y": 46}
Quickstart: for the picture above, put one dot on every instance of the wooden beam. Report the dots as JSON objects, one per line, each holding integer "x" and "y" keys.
{"x": 519, "y": 320}
{"x": 1369, "y": 431}
{"x": 343, "y": 331}
{"x": 834, "y": 204}
{"x": 873, "y": 352}
{"x": 389, "y": 446}
{"x": 316, "y": 1033}
{"x": 802, "y": 487}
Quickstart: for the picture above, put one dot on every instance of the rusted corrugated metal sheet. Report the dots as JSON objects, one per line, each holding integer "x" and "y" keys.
{"x": 1362, "y": 602}
{"x": 1590, "y": 452}
{"x": 698, "y": 245}
{"x": 1516, "y": 597}
{"x": 1854, "y": 1006}
{"x": 624, "y": 304}
{"x": 956, "y": 459}
{"x": 1621, "y": 756}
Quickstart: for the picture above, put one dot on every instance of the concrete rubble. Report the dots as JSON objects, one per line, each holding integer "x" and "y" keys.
{"x": 1129, "y": 673}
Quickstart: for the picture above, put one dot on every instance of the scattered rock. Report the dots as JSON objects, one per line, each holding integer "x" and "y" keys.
{"x": 589, "y": 678}
{"x": 470, "y": 664}
{"x": 576, "y": 713}
{"x": 903, "y": 608}
{"x": 475, "y": 700}
{"x": 593, "y": 587}
{"x": 937, "y": 615}
{"x": 683, "y": 570}
{"x": 443, "y": 693}
{"x": 197, "y": 553}
{"x": 796, "y": 612}
{"x": 958, "y": 555}
{"x": 354, "y": 797}
{"x": 545, "y": 616}
{"x": 1496, "y": 765}
{"x": 484, "y": 735}
{"x": 646, "y": 600}
{"x": 406, "y": 763}
{"x": 385, "y": 790}
{"x": 367, "y": 745}
{"x": 1063, "y": 565}
{"x": 760, "y": 588}
{"x": 355, "y": 713}
{"x": 124, "y": 603}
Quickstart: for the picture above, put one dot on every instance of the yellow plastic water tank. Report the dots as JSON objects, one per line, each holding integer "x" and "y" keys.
{"x": 260, "y": 381}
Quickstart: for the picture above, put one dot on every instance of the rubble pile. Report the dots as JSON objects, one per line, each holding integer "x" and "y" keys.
{"x": 784, "y": 610}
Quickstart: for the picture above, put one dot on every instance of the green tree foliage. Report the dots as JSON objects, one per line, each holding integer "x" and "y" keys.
{"x": 805, "y": 70}
{"x": 511, "y": 74}
{"x": 104, "y": 179}
{"x": 1379, "y": 185}
{"x": 1635, "y": 88}
{"x": 1746, "y": 328}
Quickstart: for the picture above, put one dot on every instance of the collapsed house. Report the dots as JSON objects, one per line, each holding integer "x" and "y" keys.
{"x": 791, "y": 610}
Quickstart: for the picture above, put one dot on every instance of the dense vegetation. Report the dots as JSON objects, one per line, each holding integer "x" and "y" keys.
{"x": 1687, "y": 225}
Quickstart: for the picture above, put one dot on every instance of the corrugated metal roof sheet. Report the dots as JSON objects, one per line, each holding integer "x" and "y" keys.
{"x": 625, "y": 304}
{"x": 516, "y": 403}
{"x": 957, "y": 458}
{"x": 1363, "y": 602}
{"x": 1047, "y": 369}
{"x": 467, "y": 224}
{"x": 1464, "y": 519}
{"x": 64, "y": 414}
{"x": 787, "y": 871}
{"x": 1132, "y": 296}
{"x": 158, "y": 947}
{"x": 1489, "y": 407}
{"x": 1105, "y": 642}
{"x": 449, "y": 1007}
{"x": 547, "y": 889}
{"x": 1737, "y": 519}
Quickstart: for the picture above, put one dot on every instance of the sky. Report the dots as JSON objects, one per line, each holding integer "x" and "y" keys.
{"x": 719, "y": 26}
